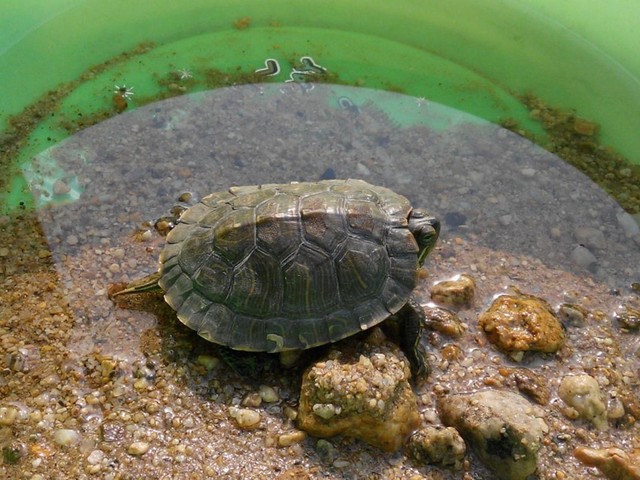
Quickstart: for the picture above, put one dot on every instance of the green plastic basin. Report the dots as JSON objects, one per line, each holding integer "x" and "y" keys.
{"x": 478, "y": 56}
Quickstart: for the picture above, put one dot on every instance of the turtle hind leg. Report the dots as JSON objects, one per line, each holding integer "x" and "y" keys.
{"x": 412, "y": 321}
{"x": 248, "y": 364}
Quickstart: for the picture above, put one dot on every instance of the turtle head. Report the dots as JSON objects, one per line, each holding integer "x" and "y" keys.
{"x": 425, "y": 228}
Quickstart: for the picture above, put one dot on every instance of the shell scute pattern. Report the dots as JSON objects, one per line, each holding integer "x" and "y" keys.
{"x": 322, "y": 220}
{"x": 260, "y": 278}
{"x": 277, "y": 219}
{"x": 281, "y": 267}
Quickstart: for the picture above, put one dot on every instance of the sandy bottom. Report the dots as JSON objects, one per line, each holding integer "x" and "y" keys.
{"x": 89, "y": 389}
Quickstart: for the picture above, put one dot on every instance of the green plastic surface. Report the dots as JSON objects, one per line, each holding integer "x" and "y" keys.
{"x": 473, "y": 55}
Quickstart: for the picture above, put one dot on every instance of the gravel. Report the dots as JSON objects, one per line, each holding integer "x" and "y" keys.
{"x": 114, "y": 378}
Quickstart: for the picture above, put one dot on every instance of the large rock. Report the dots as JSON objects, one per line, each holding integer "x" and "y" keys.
{"x": 503, "y": 428}
{"x": 365, "y": 395}
{"x": 519, "y": 323}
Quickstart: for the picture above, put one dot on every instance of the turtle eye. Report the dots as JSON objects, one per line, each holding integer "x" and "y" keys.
{"x": 425, "y": 229}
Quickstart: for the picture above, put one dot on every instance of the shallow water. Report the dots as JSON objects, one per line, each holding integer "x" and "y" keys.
{"x": 512, "y": 214}
{"x": 483, "y": 181}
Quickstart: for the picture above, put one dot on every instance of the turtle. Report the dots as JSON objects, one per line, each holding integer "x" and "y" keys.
{"x": 283, "y": 267}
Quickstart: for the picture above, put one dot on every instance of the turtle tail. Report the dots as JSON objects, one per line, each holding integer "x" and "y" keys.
{"x": 146, "y": 284}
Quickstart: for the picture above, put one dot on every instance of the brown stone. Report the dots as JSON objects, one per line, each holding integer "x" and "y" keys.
{"x": 437, "y": 445}
{"x": 368, "y": 397}
{"x": 613, "y": 462}
{"x": 532, "y": 385}
{"x": 443, "y": 321}
{"x": 519, "y": 323}
{"x": 457, "y": 292}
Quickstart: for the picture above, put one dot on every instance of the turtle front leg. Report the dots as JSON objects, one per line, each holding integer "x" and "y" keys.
{"x": 412, "y": 321}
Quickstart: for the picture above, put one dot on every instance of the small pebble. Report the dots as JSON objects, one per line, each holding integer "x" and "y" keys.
{"x": 95, "y": 457}
{"x": 329, "y": 174}
{"x": 362, "y": 170}
{"x": 246, "y": 418}
{"x": 288, "y": 439}
{"x": 189, "y": 422}
{"x": 572, "y": 315}
{"x": 268, "y": 394}
{"x": 290, "y": 412}
{"x": 443, "y": 321}
{"x": 66, "y": 437}
{"x": 141, "y": 384}
{"x": 326, "y": 410}
{"x": 185, "y": 197}
{"x": 8, "y": 415}
{"x": 582, "y": 393}
{"x": 72, "y": 240}
{"x": 138, "y": 448}
{"x": 628, "y": 318}
{"x": 590, "y": 237}
{"x": 4, "y": 251}
{"x": 207, "y": 361}
{"x": 60, "y": 187}
{"x": 459, "y": 291}
{"x": 615, "y": 409}
{"x": 582, "y": 257}
{"x": 252, "y": 400}
{"x": 326, "y": 450}
{"x": 505, "y": 219}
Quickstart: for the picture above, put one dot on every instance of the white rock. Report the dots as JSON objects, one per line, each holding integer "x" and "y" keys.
{"x": 66, "y": 437}
{"x": 268, "y": 394}
{"x": 95, "y": 457}
{"x": 326, "y": 410}
{"x": 582, "y": 392}
{"x": 138, "y": 448}
{"x": 246, "y": 417}
{"x": 8, "y": 415}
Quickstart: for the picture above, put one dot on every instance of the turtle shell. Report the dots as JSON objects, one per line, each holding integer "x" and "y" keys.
{"x": 290, "y": 266}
